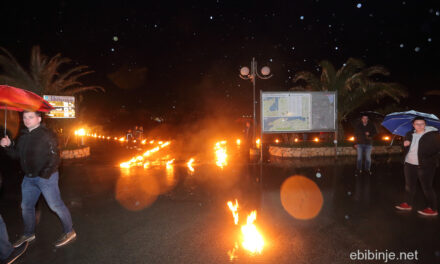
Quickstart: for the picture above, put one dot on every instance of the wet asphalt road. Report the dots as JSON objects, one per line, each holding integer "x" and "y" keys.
{"x": 175, "y": 216}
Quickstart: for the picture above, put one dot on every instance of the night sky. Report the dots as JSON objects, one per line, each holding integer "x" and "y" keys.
{"x": 166, "y": 58}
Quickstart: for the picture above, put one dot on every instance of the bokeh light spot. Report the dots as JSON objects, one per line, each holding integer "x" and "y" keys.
{"x": 301, "y": 197}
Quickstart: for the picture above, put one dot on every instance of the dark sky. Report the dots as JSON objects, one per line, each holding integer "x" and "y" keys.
{"x": 190, "y": 52}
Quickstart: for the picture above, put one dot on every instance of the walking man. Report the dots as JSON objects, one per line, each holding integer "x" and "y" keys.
{"x": 422, "y": 146}
{"x": 364, "y": 133}
{"x": 37, "y": 149}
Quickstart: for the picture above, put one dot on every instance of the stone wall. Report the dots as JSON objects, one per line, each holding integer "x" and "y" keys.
{"x": 327, "y": 151}
{"x": 75, "y": 153}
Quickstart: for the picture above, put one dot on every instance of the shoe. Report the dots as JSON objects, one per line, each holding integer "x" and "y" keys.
{"x": 66, "y": 239}
{"x": 16, "y": 253}
{"x": 427, "y": 212}
{"x": 403, "y": 207}
{"x": 23, "y": 239}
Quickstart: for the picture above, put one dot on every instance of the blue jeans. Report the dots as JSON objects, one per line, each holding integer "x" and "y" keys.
{"x": 31, "y": 188}
{"x": 5, "y": 246}
{"x": 363, "y": 151}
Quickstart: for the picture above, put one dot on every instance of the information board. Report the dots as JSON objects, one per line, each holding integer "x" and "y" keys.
{"x": 286, "y": 112}
{"x": 64, "y": 106}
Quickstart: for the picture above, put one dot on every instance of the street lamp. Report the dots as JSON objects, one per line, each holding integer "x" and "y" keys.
{"x": 252, "y": 74}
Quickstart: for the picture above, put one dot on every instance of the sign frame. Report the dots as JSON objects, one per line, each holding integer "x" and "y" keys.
{"x": 311, "y": 103}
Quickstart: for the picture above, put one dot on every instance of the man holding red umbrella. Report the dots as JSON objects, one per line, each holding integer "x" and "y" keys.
{"x": 37, "y": 149}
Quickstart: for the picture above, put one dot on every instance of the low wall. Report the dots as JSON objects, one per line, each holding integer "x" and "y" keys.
{"x": 286, "y": 152}
{"x": 75, "y": 153}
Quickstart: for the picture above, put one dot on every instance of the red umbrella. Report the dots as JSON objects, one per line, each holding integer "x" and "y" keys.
{"x": 19, "y": 100}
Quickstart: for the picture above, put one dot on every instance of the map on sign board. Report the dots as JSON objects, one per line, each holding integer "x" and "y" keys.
{"x": 298, "y": 111}
{"x": 64, "y": 106}
{"x": 286, "y": 112}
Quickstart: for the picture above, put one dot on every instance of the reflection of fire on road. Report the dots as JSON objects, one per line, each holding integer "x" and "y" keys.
{"x": 220, "y": 153}
{"x": 251, "y": 239}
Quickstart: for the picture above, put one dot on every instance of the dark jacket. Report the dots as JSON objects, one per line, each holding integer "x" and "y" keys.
{"x": 429, "y": 147}
{"x": 359, "y": 132}
{"x": 37, "y": 151}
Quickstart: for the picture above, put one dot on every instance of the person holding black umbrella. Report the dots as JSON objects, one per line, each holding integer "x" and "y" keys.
{"x": 364, "y": 133}
{"x": 421, "y": 148}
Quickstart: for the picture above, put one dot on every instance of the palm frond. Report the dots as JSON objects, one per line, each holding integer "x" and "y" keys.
{"x": 310, "y": 79}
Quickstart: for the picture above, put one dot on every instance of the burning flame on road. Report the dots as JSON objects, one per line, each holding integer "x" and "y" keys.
{"x": 251, "y": 239}
{"x": 189, "y": 164}
{"x": 139, "y": 160}
{"x": 220, "y": 153}
{"x": 234, "y": 210}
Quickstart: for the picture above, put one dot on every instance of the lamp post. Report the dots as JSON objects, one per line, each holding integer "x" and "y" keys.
{"x": 252, "y": 74}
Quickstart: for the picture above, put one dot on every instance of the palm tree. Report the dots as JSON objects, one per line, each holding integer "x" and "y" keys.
{"x": 355, "y": 85}
{"x": 44, "y": 76}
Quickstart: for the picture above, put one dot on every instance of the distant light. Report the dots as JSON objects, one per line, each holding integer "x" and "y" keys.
{"x": 359, "y": 5}
{"x": 115, "y": 38}
{"x": 437, "y": 13}
{"x": 296, "y": 140}
{"x": 265, "y": 71}
{"x": 211, "y": 17}
{"x": 417, "y": 49}
{"x": 238, "y": 141}
{"x": 301, "y": 17}
{"x": 429, "y": 39}
{"x": 386, "y": 138}
{"x": 271, "y": 60}
{"x": 244, "y": 71}
{"x": 277, "y": 141}
{"x": 316, "y": 139}
{"x": 112, "y": 49}
{"x": 401, "y": 45}
{"x": 336, "y": 48}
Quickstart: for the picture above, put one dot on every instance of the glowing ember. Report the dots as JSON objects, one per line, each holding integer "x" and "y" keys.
{"x": 220, "y": 153}
{"x": 351, "y": 139}
{"x": 316, "y": 139}
{"x": 122, "y": 139}
{"x": 386, "y": 138}
{"x": 189, "y": 164}
{"x": 251, "y": 239}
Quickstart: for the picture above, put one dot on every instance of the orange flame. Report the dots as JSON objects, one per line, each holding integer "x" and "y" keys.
{"x": 251, "y": 239}
{"x": 189, "y": 164}
{"x": 234, "y": 210}
{"x": 220, "y": 153}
